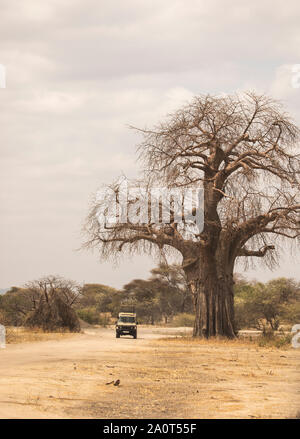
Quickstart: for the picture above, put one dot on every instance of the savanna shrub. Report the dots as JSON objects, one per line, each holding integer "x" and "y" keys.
{"x": 183, "y": 319}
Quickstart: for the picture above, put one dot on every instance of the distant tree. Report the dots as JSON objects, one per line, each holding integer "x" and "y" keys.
{"x": 16, "y": 303}
{"x": 175, "y": 279}
{"x": 97, "y": 295}
{"x": 143, "y": 294}
{"x": 163, "y": 295}
{"x": 267, "y": 305}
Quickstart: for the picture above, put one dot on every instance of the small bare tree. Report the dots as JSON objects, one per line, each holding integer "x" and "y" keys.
{"x": 243, "y": 151}
{"x": 48, "y": 286}
{"x": 52, "y": 300}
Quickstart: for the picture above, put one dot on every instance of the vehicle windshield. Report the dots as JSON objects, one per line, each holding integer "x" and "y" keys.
{"x": 124, "y": 319}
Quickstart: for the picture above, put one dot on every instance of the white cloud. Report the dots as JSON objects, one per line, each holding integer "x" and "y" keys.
{"x": 281, "y": 86}
{"x": 79, "y": 72}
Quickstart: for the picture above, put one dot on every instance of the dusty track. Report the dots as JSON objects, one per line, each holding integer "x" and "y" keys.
{"x": 161, "y": 379}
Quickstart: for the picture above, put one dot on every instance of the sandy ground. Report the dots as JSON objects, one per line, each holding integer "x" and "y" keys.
{"x": 159, "y": 378}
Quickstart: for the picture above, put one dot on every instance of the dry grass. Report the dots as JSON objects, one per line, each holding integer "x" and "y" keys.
{"x": 23, "y": 335}
{"x": 182, "y": 338}
{"x": 280, "y": 342}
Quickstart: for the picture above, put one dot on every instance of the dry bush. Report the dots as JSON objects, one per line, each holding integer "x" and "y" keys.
{"x": 183, "y": 319}
{"x": 269, "y": 339}
{"x": 54, "y": 314}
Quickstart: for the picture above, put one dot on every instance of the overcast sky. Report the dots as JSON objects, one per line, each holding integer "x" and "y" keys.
{"x": 78, "y": 72}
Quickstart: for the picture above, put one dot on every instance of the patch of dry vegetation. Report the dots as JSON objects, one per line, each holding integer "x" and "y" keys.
{"x": 22, "y": 335}
{"x": 183, "y": 339}
{"x": 282, "y": 341}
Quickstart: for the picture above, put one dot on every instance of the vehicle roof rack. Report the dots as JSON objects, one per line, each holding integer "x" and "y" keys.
{"x": 127, "y": 308}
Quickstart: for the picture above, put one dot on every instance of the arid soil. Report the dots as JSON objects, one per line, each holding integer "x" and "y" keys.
{"x": 159, "y": 378}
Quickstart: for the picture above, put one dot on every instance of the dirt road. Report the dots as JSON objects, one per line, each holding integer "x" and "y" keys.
{"x": 158, "y": 378}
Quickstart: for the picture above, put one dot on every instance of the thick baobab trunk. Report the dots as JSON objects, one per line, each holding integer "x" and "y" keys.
{"x": 212, "y": 291}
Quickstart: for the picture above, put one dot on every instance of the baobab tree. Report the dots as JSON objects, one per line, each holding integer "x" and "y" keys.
{"x": 242, "y": 150}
